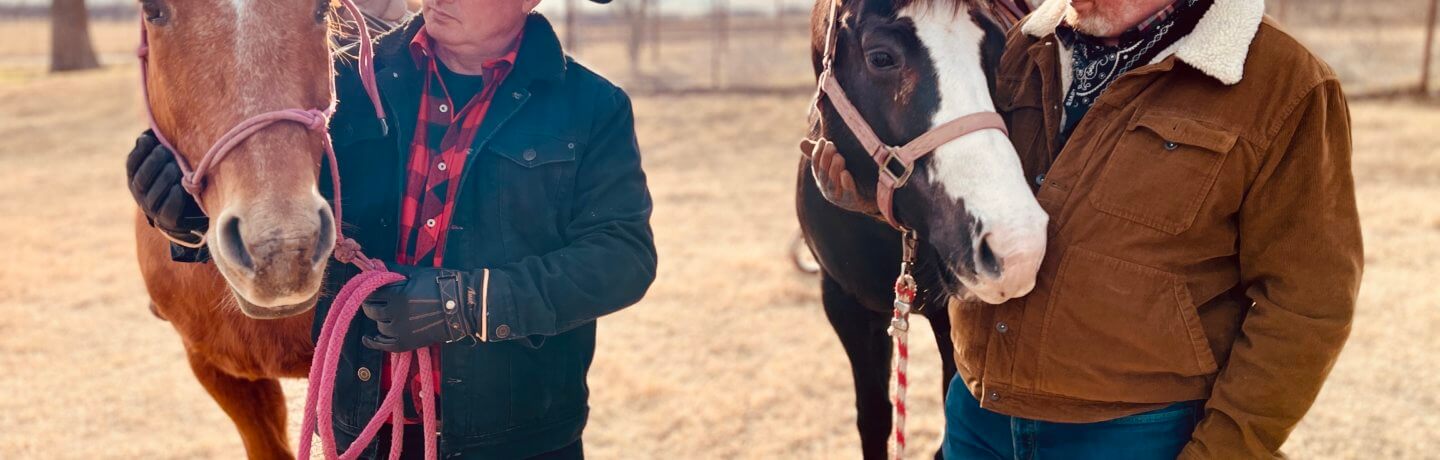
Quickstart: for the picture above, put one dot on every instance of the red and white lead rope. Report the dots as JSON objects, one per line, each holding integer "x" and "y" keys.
{"x": 900, "y": 330}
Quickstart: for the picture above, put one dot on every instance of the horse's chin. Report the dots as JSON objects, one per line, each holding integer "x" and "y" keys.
{"x": 277, "y": 312}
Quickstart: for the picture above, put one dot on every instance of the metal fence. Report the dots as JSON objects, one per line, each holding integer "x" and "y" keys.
{"x": 1376, "y": 46}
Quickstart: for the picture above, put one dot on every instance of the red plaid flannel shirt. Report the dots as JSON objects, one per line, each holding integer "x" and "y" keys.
{"x": 435, "y": 165}
{"x": 436, "y": 161}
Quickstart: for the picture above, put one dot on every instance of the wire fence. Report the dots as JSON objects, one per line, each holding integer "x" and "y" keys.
{"x": 1376, "y": 46}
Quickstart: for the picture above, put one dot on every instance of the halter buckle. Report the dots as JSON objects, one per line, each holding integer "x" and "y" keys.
{"x": 892, "y": 167}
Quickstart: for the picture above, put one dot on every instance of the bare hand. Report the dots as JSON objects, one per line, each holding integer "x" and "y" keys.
{"x": 835, "y": 182}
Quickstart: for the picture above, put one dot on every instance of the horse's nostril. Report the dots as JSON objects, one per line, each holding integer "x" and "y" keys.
{"x": 326, "y": 240}
{"x": 985, "y": 257}
{"x": 233, "y": 244}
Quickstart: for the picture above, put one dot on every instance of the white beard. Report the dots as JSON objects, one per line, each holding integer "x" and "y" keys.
{"x": 1099, "y": 23}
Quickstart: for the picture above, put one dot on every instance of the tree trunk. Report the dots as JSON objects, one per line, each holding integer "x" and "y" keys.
{"x": 70, "y": 47}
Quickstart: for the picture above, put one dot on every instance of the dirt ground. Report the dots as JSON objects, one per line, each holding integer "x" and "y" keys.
{"x": 729, "y": 356}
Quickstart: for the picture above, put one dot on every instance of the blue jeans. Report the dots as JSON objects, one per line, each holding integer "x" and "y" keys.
{"x": 975, "y": 433}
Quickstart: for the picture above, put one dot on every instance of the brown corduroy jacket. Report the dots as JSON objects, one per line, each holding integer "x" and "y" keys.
{"x": 1204, "y": 242}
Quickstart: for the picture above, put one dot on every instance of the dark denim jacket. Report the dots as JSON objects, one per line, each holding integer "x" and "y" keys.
{"x": 553, "y": 202}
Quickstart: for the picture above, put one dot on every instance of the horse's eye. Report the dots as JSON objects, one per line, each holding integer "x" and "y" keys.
{"x": 154, "y": 12}
{"x": 880, "y": 60}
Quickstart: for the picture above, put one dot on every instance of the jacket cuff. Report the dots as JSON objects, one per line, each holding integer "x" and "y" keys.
{"x": 497, "y": 308}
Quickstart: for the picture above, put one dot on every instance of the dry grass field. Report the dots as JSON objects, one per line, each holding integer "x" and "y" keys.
{"x": 729, "y": 356}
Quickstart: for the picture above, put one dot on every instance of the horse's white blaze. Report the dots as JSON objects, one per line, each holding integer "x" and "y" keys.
{"x": 981, "y": 169}
{"x": 240, "y": 9}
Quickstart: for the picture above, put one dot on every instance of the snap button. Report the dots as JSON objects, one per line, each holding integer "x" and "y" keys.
{"x": 1039, "y": 179}
{"x": 363, "y": 373}
{"x": 502, "y": 331}
{"x": 529, "y": 155}
{"x": 1170, "y": 145}
{"x": 449, "y": 304}
{"x": 994, "y": 396}
{"x": 1002, "y": 327}
{"x": 441, "y": 166}
{"x": 444, "y": 108}
{"x": 570, "y": 146}
{"x": 430, "y": 223}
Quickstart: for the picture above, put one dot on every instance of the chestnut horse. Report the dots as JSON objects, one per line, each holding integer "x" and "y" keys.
{"x": 245, "y": 319}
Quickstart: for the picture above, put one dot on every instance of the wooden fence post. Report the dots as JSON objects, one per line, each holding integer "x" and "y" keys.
{"x": 1429, "y": 47}
{"x": 720, "y": 20}
{"x": 570, "y": 26}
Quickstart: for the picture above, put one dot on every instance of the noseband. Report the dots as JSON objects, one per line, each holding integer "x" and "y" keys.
{"x": 895, "y": 163}
{"x": 313, "y": 119}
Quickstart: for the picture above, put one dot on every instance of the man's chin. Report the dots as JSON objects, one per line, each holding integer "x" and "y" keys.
{"x": 277, "y": 312}
{"x": 1090, "y": 23}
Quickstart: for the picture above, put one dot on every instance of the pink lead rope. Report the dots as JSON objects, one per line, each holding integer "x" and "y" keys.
{"x": 319, "y": 399}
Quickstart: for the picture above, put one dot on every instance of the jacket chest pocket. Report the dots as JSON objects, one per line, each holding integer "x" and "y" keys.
{"x": 534, "y": 177}
{"x": 1161, "y": 171}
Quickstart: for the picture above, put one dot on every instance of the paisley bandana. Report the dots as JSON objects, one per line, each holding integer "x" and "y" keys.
{"x": 1096, "y": 64}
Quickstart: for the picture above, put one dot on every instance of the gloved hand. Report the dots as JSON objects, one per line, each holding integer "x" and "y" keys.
{"x": 432, "y": 305}
{"x": 154, "y": 179}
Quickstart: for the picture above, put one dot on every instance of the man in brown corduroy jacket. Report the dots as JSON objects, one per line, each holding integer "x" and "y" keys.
{"x": 1204, "y": 249}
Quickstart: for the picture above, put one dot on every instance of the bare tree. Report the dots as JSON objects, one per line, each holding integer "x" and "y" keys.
{"x": 70, "y": 47}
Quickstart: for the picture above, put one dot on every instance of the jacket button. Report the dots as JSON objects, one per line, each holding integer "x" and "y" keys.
{"x": 1170, "y": 145}
{"x": 1002, "y": 327}
{"x": 529, "y": 155}
{"x": 363, "y": 373}
{"x": 994, "y": 396}
{"x": 1039, "y": 179}
{"x": 502, "y": 331}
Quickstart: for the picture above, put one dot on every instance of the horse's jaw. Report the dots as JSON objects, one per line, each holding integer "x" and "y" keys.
{"x": 284, "y": 311}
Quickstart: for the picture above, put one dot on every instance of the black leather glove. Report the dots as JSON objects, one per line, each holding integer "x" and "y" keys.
{"x": 432, "y": 305}
{"x": 154, "y": 178}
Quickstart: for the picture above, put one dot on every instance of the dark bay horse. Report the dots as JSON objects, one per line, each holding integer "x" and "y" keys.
{"x": 909, "y": 66}
{"x": 245, "y": 319}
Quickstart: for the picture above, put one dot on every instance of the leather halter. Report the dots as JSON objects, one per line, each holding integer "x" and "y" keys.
{"x": 895, "y": 163}
{"x": 314, "y": 119}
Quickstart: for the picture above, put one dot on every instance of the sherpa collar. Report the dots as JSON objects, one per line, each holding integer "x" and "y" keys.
{"x": 1217, "y": 47}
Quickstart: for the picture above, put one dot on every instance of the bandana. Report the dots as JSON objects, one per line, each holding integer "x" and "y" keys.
{"x": 1097, "y": 65}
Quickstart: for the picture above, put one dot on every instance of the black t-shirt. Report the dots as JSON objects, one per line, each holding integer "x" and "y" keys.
{"x": 461, "y": 87}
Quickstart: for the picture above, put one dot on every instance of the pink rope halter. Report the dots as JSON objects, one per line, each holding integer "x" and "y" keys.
{"x": 319, "y": 399}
